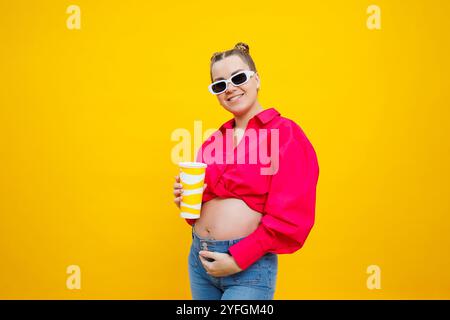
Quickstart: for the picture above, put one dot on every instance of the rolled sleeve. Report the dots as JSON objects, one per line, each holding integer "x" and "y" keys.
{"x": 290, "y": 208}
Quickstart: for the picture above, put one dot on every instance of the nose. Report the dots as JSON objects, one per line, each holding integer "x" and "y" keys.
{"x": 230, "y": 88}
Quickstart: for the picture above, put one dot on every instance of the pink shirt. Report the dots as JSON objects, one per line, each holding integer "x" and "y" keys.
{"x": 286, "y": 198}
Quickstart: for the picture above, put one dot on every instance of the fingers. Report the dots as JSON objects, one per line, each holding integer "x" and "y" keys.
{"x": 177, "y": 191}
{"x": 208, "y": 254}
{"x": 178, "y": 201}
{"x": 206, "y": 264}
{"x": 212, "y": 267}
{"x": 177, "y": 185}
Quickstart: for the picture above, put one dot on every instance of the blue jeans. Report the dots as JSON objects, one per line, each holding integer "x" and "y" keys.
{"x": 257, "y": 282}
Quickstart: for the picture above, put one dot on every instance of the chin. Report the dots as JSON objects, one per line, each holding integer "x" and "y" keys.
{"x": 238, "y": 110}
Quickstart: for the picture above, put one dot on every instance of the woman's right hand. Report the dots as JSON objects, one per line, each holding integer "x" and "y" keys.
{"x": 178, "y": 190}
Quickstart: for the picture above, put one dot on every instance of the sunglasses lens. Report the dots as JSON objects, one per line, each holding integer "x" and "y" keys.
{"x": 219, "y": 86}
{"x": 239, "y": 79}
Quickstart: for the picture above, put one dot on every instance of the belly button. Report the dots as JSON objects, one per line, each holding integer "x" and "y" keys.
{"x": 209, "y": 234}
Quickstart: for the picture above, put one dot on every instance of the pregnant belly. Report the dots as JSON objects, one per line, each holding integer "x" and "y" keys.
{"x": 226, "y": 219}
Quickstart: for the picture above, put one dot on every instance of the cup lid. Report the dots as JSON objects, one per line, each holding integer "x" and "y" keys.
{"x": 192, "y": 164}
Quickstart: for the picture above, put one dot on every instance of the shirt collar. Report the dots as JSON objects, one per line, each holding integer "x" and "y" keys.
{"x": 264, "y": 117}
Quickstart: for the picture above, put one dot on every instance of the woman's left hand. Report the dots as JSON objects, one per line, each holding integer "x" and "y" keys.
{"x": 224, "y": 264}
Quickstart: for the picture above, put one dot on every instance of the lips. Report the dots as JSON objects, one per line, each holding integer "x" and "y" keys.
{"x": 234, "y": 98}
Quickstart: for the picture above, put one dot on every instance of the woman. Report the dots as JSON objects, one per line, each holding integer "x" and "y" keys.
{"x": 248, "y": 215}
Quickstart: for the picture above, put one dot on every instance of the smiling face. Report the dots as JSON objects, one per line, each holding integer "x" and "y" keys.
{"x": 238, "y": 100}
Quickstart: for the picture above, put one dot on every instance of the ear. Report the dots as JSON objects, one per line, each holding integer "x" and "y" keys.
{"x": 258, "y": 82}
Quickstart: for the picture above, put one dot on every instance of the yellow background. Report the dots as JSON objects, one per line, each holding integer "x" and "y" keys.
{"x": 86, "y": 118}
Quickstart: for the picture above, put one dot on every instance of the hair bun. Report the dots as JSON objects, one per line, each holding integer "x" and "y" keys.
{"x": 242, "y": 47}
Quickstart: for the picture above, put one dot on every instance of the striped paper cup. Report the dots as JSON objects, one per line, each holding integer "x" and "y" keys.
{"x": 192, "y": 178}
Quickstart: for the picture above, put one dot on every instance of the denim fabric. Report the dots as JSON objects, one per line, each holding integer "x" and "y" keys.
{"x": 257, "y": 282}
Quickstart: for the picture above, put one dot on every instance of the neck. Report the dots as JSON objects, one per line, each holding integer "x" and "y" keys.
{"x": 242, "y": 120}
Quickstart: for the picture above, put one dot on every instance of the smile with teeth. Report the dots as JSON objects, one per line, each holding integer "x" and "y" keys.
{"x": 235, "y": 97}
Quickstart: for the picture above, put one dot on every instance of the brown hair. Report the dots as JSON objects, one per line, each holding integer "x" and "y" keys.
{"x": 240, "y": 49}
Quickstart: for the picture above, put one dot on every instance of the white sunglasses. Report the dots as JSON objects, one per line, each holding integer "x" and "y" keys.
{"x": 236, "y": 80}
